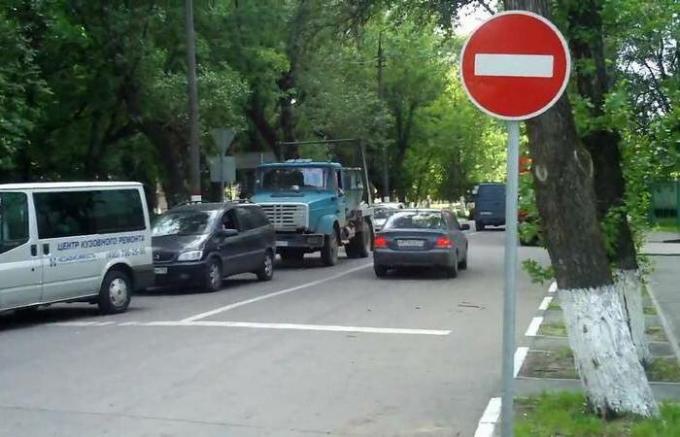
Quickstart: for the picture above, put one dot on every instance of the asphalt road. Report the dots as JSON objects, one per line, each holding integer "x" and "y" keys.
{"x": 317, "y": 351}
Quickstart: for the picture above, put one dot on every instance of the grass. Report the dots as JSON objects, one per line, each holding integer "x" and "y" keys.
{"x": 656, "y": 333}
{"x": 554, "y": 306}
{"x": 664, "y": 369}
{"x": 565, "y": 414}
{"x": 650, "y": 311}
{"x": 667, "y": 224}
{"x": 553, "y": 329}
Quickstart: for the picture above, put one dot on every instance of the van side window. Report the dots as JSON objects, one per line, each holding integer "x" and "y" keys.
{"x": 117, "y": 211}
{"x": 68, "y": 214}
{"x": 63, "y": 214}
{"x": 13, "y": 220}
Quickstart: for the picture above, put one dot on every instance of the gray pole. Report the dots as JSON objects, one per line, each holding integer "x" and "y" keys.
{"x": 221, "y": 177}
{"x": 194, "y": 152}
{"x": 385, "y": 168}
{"x": 512, "y": 189}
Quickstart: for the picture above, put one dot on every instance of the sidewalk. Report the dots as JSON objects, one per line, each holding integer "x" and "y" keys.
{"x": 665, "y": 289}
{"x": 662, "y": 244}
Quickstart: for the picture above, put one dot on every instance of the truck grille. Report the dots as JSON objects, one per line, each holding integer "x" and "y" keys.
{"x": 286, "y": 217}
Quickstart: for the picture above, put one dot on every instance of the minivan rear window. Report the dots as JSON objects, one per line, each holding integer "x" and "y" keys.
{"x": 73, "y": 213}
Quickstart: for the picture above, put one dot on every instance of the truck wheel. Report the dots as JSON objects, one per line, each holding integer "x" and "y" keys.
{"x": 114, "y": 294}
{"x": 360, "y": 245}
{"x": 329, "y": 251}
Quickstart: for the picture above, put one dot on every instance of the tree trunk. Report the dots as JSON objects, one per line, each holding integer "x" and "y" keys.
{"x": 612, "y": 376}
{"x": 171, "y": 147}
{"x": 587, "y": 46}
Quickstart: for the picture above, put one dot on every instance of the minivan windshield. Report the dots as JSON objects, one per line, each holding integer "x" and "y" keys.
{"x": 292, "y": 178}
{"x": 183, "y": 223}
{"x": 416, "y": 220}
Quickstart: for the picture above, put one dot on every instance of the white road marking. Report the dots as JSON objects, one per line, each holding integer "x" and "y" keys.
{"x": 76, "y": 323}
{"x": 553, "y": 287}
{"x": 129, "y": 323}
{"x": 532, "y": 330}
{"x": 545, "y": 303}
{"x": 270, "y": 295}
{"x": 513, "y": 65}
{"x": 302, "y": 327}
{"x": 104, "y": 323}
{"x": 487, "y": 423}
{"x": 520, "y": 356}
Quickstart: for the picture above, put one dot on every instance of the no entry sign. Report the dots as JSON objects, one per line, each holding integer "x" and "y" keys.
{"x": 515, "y": 65}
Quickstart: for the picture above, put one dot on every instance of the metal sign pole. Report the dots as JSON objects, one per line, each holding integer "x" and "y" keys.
{"x": 222, "y": 177}
{"x": 511, "y": 243}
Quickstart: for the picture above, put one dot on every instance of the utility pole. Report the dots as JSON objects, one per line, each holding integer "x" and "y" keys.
{"x": 194, "y": 152}
{"x": 386, "y": 175}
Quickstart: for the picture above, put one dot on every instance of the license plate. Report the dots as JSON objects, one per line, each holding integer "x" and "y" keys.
{"x": 410, "y": 243}
{"x": 160, "y": 270}
{"x": 281, "y": 243}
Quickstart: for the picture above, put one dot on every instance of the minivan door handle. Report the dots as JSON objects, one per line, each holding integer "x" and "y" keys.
{"x": 34, "y": 250}
{"x": 46, "y": 249}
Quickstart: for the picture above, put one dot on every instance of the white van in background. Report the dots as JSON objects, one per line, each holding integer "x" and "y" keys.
{"x": 73, "y": 242}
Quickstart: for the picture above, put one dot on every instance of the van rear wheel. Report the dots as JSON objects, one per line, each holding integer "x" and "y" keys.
{"x": 115, "y": 293}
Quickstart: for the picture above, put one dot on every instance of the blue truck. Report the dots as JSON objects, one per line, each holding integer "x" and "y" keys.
{"x": 316, "y": 206}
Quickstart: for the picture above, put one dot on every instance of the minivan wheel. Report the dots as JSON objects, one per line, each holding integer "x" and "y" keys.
{"x": 213, "y": 275}
{"x": 266, "y": 271}
{"x": 115, "y": 293}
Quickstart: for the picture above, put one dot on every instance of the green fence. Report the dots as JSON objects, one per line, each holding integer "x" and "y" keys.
{"x": 665, "y": 204}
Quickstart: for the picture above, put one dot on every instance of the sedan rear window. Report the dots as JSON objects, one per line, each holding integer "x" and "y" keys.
{"x": 416, "y": 220}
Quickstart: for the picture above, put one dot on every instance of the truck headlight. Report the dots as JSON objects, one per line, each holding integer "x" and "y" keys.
{"x": 192, "y": 255}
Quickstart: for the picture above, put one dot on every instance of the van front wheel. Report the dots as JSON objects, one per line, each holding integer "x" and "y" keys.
{"x": 114, "y": 295}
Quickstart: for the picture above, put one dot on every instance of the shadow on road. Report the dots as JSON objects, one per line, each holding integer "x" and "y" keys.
{"x": 30, "y": 318}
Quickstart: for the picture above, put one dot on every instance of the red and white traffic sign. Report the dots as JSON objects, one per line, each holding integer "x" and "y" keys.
{"x": 515, "y": 65}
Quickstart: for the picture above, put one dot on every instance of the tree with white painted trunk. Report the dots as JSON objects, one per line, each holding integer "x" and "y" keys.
{"x": 604, "y": 352}
{"x": 593, "y": 78}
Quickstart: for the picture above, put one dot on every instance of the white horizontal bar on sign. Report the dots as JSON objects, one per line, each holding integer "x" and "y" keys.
{"x": 496, "y": 64}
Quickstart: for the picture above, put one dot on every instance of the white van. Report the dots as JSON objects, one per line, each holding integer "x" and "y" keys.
{"x": 73, "y": 242}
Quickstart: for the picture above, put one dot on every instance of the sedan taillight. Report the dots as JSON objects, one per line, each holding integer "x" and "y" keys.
{"x": 380, "y": 242}
{"x": 444, "y": 243}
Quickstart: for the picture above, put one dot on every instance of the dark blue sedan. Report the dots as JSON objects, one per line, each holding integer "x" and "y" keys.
{"x": 421, "y": 238}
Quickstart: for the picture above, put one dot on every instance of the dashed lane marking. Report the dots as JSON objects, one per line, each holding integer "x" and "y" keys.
{"x": 520, "y": 356}
{"x": 532, "y": 330}
{"x": 487, "y": 423}
{"x": 545, "y": 303}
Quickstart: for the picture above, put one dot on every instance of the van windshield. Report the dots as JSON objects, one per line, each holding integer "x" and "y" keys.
{"x": 13, "y": 220}
{"x": 183, "y": 223}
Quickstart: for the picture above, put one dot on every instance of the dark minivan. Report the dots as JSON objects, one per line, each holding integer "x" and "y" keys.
{"x": 202, "y": 243}
{"x": 489, "y": 205}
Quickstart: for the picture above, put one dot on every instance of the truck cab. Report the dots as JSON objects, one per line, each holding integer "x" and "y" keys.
{"x": 315, "y": 206}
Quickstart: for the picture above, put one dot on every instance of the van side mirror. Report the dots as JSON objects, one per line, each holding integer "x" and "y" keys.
{"x": 465, "y": 227}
